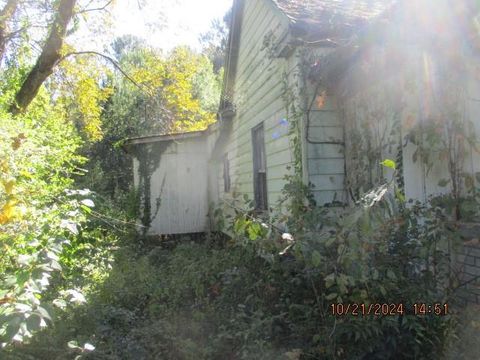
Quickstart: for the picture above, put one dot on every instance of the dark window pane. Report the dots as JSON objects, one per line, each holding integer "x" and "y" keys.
{"x": 259, "y": 168}
{"x": 226, "y": 174}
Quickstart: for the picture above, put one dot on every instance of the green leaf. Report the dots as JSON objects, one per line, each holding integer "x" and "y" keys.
{"x": 55, "y": 265}
{"x": 469, "y": 182}
{"x": 316, "y": 258}
{"x": 24, "y": 259}
{"x": 60, "y": 303}
{"x": 391, "y": 275}
{"x": 22, "y": 277}
{"x": 23, "y": 307}
{"x": 239, "y": 226}
{"x": 443, "y": 182}
{"x": 400, "y": 196}
{"x": 69, "y": 225}
{"x": 389, "y": 163}
{"x": 13, "y": 327}
{"x": 73, "y": 344}
{"x": 33, "y": 322}
{"x": 43, "y": 313}
{"x": 363, "y": 294}
{"x": 87, "y": 202}
{"x": 254, "y": 231}
{"x": 329, "y": 280}
{"x": 86, "y": 209}
{"x": 76, "y": 297}
{"x": 341, "y": 283}
{"x": 331, "y": 296}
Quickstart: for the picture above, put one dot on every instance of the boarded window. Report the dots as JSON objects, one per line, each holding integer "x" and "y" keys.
{"x": 259, "y": 168}
{"x": 226, "y": 174}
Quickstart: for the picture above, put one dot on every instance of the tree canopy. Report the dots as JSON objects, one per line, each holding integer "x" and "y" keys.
{"x": 63, "y": 115}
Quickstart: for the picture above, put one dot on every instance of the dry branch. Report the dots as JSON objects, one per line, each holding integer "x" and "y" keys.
{"x": 112, "y": 61}
{"x": 48, "y": 59}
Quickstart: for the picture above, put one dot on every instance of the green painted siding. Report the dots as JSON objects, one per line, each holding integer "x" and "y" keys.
{"x": 326, "y": 161}
{"x": 258, "y": 97}
{"x": 258, "y": 90}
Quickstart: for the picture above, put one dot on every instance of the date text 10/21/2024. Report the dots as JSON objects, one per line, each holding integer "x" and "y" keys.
{"x": 377, "y": 309}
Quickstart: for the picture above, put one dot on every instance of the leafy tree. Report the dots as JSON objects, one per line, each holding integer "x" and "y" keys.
{"x": 6, "y": 14}
{"x": 214, "y": 41}
{"x": 81, "y": 89}
{"x": 173, "y": 92}
{"x": 55, "y": 106}
{"x": 37, "y": 213}
{"x": 51, "y": 54}
{"x": 40, "y": 212}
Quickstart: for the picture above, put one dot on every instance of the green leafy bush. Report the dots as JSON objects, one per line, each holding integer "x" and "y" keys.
{"x": 38, "y": 214}
{"x": 202, "y": 301}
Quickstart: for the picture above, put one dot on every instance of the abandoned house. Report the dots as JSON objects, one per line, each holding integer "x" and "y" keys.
{"x": 327, "y": 91}
{"x": 330, "y": 89}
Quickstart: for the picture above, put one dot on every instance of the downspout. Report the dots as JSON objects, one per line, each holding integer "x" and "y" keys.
{"x": 304, "y": 131}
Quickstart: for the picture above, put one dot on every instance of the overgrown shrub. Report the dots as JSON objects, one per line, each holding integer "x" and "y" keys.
{"x": 200, "y": 301}
{"x": 49, "y": 249}
{"x": 38, "y": 213}
{"x": 381, "y": 251}
{"x": 252, "y": 299}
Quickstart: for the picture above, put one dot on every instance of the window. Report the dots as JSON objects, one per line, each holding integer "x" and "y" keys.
{"x": 259, "y": 168}
{"x": 226, "y": 174}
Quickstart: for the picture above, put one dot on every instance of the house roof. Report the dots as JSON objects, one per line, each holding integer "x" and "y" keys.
{"x": 318, "y": 19}
{"x": 313, "y": 21}
{"x": 441, "y": 27}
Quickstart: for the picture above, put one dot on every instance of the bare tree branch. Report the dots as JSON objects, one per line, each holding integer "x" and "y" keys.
{"x": 117, "y": 66}
{"x": 107, "y": 4}
{"x": 48, "y": 59}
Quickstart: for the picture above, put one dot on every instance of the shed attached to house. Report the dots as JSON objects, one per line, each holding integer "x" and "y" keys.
{"x": 170, "y": 173}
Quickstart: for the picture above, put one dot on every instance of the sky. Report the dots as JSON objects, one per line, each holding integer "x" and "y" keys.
{"x": 167, "y": 23}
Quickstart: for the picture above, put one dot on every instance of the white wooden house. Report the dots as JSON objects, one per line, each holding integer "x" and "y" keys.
{"x": 353, "y": 80}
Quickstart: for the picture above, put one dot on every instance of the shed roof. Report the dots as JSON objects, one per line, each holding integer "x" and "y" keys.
{"x": 163, "y": 137}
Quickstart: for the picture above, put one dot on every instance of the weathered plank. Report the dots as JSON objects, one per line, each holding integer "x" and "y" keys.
{"x": 326, "y": 166}
{"x": 322, "y": 151}
{"x": 325, "y": 133}
{"x": 328, "y": 182}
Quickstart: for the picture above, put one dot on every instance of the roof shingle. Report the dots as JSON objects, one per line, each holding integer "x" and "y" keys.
{"x": 330, "y": 18}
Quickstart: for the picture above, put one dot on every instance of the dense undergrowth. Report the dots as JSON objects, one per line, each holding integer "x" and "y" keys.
{"x": 260, "y": 295}
{"x": 232, "y": 299}
{"x": 77, "y": 283}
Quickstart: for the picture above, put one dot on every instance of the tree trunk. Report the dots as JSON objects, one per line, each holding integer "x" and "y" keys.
{"x": 5, "y": 16}
{"x": 48, "y": 59}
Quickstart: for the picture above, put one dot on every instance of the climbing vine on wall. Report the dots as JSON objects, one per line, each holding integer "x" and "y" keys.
{"x": 148, "y": 157}
{"x": 295, "y": 191}
{"x": 373, "y": 134}
{"x": 444, "y": 134}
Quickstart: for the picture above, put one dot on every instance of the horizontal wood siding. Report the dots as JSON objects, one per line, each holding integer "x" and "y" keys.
{"x": 258, "y": 98}
{"x": 325, "y": 159}
{"x": 417, "y": 108}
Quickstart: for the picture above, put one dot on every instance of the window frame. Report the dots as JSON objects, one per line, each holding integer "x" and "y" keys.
{"x": 260, "y": 183}
{"x": 227, "y": 182}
